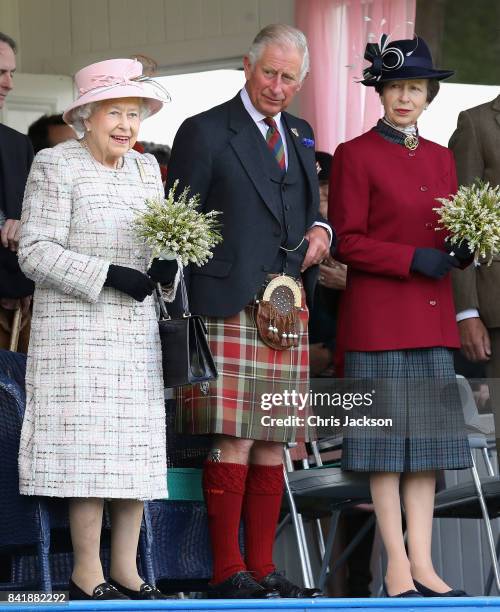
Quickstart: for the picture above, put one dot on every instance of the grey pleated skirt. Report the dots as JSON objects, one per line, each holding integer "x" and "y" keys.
{"x": 417, "y": 400}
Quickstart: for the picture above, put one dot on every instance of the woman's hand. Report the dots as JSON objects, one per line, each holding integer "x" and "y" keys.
{"x": 132, "y": 282}
{"x": 462, "y": 252}
{"x": 163, "y": 270}
{"x": 333, "y": 274}
{"x": 433, "y": 263}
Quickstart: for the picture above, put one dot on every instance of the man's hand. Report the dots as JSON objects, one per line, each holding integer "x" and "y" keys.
{"x": 319, "y": 246}
{"x": 475, "y": 339}
{"x": 9, "y": 234}
{"x": 333, "y": 274}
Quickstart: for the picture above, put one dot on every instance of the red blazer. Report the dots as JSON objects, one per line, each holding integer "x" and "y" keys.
{"x": 380, "y": 202}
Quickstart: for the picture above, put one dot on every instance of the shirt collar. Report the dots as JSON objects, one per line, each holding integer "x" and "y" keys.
{"x": 252, "y": 111}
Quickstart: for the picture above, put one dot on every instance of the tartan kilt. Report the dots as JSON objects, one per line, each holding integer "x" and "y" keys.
{"x": 417, "y": 390}
{"x": 247, "y": 369}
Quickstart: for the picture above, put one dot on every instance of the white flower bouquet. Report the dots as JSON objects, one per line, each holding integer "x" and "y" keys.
{"x": 472, "y": 216}
{"x": 174, "y": 229}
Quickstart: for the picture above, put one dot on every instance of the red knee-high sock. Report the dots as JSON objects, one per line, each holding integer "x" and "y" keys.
{"x": 261, "y": 509}
{"x": 223, "y": 487}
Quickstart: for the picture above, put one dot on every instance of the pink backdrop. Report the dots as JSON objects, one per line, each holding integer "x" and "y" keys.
{"x": 333, "y": 102}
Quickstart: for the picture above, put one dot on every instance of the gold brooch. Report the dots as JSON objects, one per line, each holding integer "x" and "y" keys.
{"x": 411, "y": 142}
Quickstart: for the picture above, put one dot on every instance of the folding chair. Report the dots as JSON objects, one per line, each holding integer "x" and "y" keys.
{"x": 479, "y": 498}
{"x": 318, "y": 491}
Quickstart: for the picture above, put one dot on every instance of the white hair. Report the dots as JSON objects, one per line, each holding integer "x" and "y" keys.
{"x": 284, "y": 36}
{"x": 81, "y": 113}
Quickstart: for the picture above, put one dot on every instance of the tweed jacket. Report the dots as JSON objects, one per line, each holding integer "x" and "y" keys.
{"x": 95, "y": 420}
{"x": 381, "y": 202}
{"x": 476, "y": 145}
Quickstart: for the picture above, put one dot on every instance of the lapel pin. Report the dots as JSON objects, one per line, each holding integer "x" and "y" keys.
{"x": 295, "y": 132}
{"x": 308, "y": 143}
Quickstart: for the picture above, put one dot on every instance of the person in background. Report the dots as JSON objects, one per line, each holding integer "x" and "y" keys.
{"x": 255, "y": 163}
{"x": 48, "y": 131}
{"x": 16, "y": 155}
{"x": 94, "y": 426}
{"x": 397, "y": 317}
{"x": 331, "y": 282}
{"x": 477, "y": 290}
{"x": 160, "y": 152}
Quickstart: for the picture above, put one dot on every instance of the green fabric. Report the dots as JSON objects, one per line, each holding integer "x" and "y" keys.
{"x": 184, "y": 484}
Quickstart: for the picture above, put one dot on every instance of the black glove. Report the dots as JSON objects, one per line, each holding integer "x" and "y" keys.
{"x": 433, "y": 263}
{"x": 163, "y": 271}
{"x": 461, "y": 252}
{"x": 132, "y": 282}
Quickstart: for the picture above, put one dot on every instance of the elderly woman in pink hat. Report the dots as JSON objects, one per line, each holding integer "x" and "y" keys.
{"x": 94, "y": 426}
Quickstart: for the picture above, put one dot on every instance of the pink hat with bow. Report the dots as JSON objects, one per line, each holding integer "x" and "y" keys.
{"x": 116, "y": 78}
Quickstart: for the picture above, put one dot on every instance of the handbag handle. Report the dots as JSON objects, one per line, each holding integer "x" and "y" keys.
{"x": 184, "y": 296}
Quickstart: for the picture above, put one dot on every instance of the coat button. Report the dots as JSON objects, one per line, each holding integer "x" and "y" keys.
{"x": 432, "y": 302}
{"x": 411, "y": 154}
{"x": 428, "y": 225}
{"x": 139, "y": 365}
{"x": 283, "y": 187}
{"x": 287, "y": 207}
{"x": 266, "y": 268}
{"x": 424, "y": 188}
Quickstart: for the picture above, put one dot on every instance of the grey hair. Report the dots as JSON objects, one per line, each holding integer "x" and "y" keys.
{"x": 284, "y": 36}
{"x": 5, "y": 38}
{"x": 81, "y": 113}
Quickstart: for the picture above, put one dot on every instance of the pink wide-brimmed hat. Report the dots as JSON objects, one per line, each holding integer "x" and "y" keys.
{"x": 116, "y": 78}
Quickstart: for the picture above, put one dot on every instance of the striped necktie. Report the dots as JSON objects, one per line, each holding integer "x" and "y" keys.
{"x": 274, "y": 142}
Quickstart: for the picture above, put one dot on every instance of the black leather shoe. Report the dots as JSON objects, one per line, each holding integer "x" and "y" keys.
{"x": 285, "y": 588}
{"x": 240, "y": 586}
{"x": 146, "y": 591}
{"x": 103, "y": 591}
{"x": 410, "y": 593}
{"x": 426, "y": 592}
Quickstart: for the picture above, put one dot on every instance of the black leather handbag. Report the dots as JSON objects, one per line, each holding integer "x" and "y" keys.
{"x": 186, "y": 356}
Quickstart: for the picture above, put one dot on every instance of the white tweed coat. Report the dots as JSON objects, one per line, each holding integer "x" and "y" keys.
{"x": 95, "y": 420}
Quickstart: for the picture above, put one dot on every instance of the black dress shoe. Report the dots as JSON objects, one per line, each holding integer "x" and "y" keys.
{"x": 240, "y": 586}
{"x": 102, "y": 592}
{"x": 285, "y": 588}
{"x": 426, "y": 592}
{"x": 146, "y": 591}
{"x": 410, "y": 593}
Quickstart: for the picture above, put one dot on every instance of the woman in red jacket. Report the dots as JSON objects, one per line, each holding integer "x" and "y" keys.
{"x": 397, "y": 317}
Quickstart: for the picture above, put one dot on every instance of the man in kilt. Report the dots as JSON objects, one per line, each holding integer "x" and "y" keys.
{"x": 256, "y": 164}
